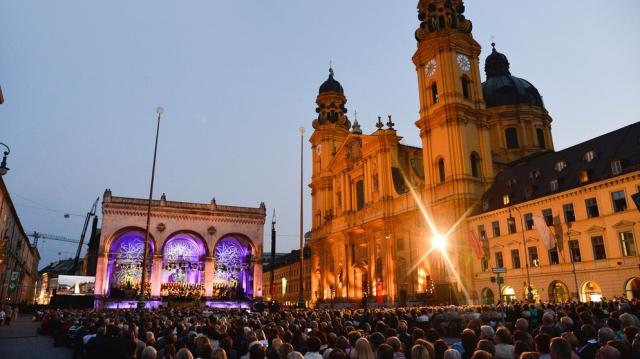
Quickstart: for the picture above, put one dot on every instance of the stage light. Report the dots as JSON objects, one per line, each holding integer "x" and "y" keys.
{"x": 439, "y": 242}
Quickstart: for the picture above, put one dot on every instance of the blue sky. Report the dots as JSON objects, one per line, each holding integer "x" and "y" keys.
{"x": 82, "y": 79}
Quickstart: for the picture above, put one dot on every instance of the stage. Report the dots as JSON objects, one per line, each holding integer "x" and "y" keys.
{"x": 155, "y": 303}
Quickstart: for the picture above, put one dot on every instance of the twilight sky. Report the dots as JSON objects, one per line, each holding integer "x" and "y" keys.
{"x": 82, "y": 79}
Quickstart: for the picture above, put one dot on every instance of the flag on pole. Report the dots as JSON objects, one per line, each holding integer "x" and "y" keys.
{"x": 545, "y": 233}
{"x": 475, "y": 245}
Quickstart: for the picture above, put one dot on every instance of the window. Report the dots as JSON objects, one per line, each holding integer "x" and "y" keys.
{"x": 534, "y": 174}
{"x": 484, "y": 264}
{"x": 592, "y": 207}
{"x": 619, "y": 201}
{"x": 339, "y": 194}
{"x": 528, "y": 221}
{"x": 528, "y": 192}
{"x": 515, "y": 258}
{"x": 583, "y": 177}
{"x": 569, "y": 213}
{"x": 553, "y": 256}
{"x": 511, "y": 225}
{"x": 434, "y": 93}
{"x": 574, "y": 250}
{"x": 499, "y": 260}
{"x": 481, "y": 232}
{"x": 628, "y": 244}
{"x": 359, "y": 195}
{"x": 597, "y": 242}
{"x": 375, "y": 182}
{"x": 511, "y": 135}
{"x": 506, "y": 199}
{"x": 560, "y": 165}
{"x": 553, "y": 185}
{"x": 548, "y": 216}
{"x": 533, "y": 257}
{"x": 589, "y": 156}
{"x": 400, "y": 244}
{"x": 540, "y": 136}
{"x": 496, "y": 228}
{"x": 616, "y": 167}
{"x": 441, "y": 169}
{"x": 475, "y": 165}
{"x": 485, "y": 205}
{"x": 465, "y": 87}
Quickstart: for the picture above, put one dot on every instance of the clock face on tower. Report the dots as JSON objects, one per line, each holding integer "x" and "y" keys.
{"x": 463, "y": 62}
{"x": 431, "y": 67}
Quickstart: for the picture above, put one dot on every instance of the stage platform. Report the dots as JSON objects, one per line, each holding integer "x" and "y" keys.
{"x": 101, "y": 303}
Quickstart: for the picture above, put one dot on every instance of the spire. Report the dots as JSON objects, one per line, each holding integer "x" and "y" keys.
{"x": 441, "y": 15}
{"x": 331, "y": 101}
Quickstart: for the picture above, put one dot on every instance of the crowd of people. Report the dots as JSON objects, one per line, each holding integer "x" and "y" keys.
{"x": 180, "y": 289}
{"x": 602, "y": 330}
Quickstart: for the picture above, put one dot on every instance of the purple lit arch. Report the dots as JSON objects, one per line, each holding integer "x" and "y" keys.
{"x": 183, "y": 259}
{"x": 232, "y": 259}
{"x": 125, "y": 254}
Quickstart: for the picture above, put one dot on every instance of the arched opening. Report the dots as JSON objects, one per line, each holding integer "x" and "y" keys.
{"x": 434, "y": 93}
{"x": 508, "y": 294}
{"x": 441, "y": 173}
{"x": 233, "y": 271}
{"x": 558, "y": 292}
{"x": 591, "y": 292}
{"x": 487, "y": 296}
{"x": 124, "y": 267}
{"x": 475, "y": 165}
{"x": 465, "y": 87}
{"x": 511, "y": 135}
{"x": 632, "y": 288}
{"x": 183, "y": 266}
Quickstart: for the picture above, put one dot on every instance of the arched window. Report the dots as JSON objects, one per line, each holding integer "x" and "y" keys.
{"x": 441, "y": 170}
{"x": 540, "y": 135}
{"x": 475, "y": 164}
{"x": 511, "y": 134}
{"x": 434, "y": 93}
{"x": 465, "y": 87}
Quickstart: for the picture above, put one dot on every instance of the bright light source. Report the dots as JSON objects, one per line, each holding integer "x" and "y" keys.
{"x": 439, "y": 242}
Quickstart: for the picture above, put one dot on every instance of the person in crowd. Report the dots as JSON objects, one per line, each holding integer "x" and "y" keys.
{"x": 603, "y": 330}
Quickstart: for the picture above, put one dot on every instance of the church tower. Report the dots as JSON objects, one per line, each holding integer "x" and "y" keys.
{"x": 331, "y": 128}
{"x": 454, "y": 132}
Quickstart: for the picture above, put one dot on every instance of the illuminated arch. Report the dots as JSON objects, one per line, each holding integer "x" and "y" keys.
{"x": 590, "y": 292}
{"x": 125, "y": 252}
{"x": 558, "y": 292}
{"x": 487, "y": 296}
{"x": 632, "y": 288}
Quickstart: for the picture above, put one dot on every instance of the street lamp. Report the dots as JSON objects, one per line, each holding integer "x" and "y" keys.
{"x": 301, "y": 301}
{"x": 511, "y": 222}
{"x": 3, "y": 166}
{"x": 145, "y": 259}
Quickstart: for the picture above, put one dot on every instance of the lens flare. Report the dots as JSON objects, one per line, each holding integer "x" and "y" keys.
{"x": 439, "y": 242}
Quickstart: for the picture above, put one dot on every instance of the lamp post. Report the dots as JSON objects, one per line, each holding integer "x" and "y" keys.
{"x": 145, "y": 256}
{"x": 524, "y": 246}
{"x": 3, "y": 166}
{"x": 301, "y": 301}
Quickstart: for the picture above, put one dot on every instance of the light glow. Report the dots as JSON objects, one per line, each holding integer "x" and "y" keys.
{"x": 439, "y": 242}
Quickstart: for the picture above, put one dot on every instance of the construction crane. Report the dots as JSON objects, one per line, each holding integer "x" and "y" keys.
{"x": 37, "y": 235}
{"x": 87, "y": 219}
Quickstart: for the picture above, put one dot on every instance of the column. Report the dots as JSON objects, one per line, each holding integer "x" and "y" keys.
{"x": 156, "y": 275}
{"x": 209, "y": 269}
{"x": 257, "y": 279}
{"x": 100, "y": 287}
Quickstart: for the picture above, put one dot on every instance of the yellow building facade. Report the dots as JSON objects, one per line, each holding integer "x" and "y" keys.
{"x": 391, "y": 223}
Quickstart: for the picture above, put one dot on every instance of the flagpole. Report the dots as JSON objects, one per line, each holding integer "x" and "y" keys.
{"x": 526, "y": 254}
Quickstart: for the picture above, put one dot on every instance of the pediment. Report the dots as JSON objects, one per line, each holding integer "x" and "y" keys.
{"x": 624, "y": 224}
{"x": 594, "y": 229}
{"x": 573, "y": 233}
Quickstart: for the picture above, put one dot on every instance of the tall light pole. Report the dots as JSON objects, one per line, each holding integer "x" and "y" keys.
{"x": 145, "y": 256}
{"x": 511, "y": 220}
{"x": 301, "y": 301}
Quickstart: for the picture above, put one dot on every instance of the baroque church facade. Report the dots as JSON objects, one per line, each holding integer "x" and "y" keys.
{"x": 398, "y": 224}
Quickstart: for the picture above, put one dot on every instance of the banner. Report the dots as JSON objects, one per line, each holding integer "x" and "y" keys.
{"x": 75, "y": 285}
{"x": 13, "y": 282}
{"x": 545, "y": 233}
{"x": 475, "y": 245}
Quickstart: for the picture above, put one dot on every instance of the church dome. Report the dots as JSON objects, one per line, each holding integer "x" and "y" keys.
{"x": 502, "y": 88}
{"x": 331, "y": 85}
